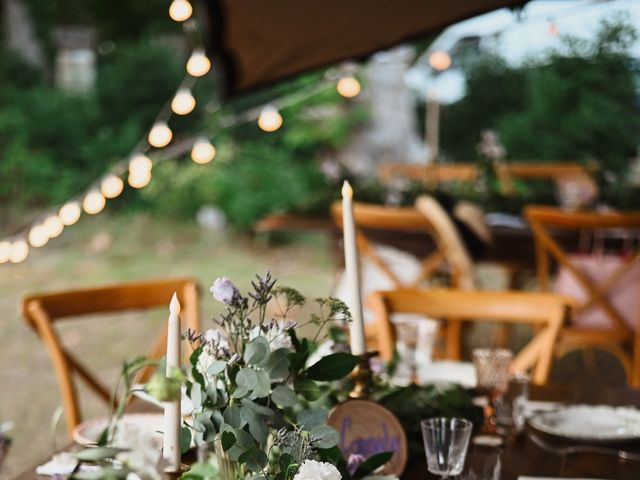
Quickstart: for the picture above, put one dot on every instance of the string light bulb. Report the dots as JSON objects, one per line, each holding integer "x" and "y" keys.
{"x": 348, "y": 87}
{"x": 38, "y": 236}
{"x": 94, "y": 202}
{"x": 202, "y": 152}
{"x": 19, "y": 251}
{"x": 198, "y": 64}
{"x": 53, "y": 225}
{"x": 180, "y": 10}
{"x": 70, "y": 213}
{"x": 5, "y": 251}
{"x": 111, "y": 186}
{"x": 183, "y": 102}
{"x": 140, "y": 163}
{"x": 139, "y": 179}
{"x": 440, "y": 60}
{"x": 270, "y": 119}
{"x": 160, "y": 135}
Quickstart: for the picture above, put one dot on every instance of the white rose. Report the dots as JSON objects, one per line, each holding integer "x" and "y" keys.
{"x": 223, "y": 290}
{"x": 312, "y": 470}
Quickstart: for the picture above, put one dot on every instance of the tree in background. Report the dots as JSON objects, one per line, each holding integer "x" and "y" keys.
{"x": 580, "y": 104}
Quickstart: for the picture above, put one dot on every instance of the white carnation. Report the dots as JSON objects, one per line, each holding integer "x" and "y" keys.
{"x": 275, "y": 333}
{"x": 312, "y": 470}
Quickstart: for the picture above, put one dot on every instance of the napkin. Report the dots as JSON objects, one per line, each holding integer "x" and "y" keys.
{"x": 61, "y": 464}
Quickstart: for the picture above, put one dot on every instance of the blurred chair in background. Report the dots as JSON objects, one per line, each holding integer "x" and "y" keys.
{"x": 545, "y": 312}
{"x": 604, "y": 278}
{"x": 43, "y": 311}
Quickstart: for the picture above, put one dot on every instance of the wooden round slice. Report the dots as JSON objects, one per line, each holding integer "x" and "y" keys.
{"x": 367, "y": 428}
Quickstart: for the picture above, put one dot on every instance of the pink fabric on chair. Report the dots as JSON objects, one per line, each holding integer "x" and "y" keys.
{"x": 624, "y": 293}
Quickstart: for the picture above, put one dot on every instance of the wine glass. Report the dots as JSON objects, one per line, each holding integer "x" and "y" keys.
{"x": 445, "y": 443}
{"x": 492, "y": 371}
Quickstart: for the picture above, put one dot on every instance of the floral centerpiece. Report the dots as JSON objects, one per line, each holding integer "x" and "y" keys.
{"x": 259, "y": 404}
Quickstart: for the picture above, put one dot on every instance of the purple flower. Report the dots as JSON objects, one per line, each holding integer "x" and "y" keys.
{"x": 223, "y": 290}
{"x": 354, "y": 461}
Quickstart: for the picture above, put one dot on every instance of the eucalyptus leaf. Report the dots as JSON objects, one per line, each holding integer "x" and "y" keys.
{"x": 262, "y": 387}
{"x": 308, "y": 389}
{"x": 257, "y": 408}
{"x": 278, "y": 364}
{"x": 216, "y": 367}
{"x": 332, "y": 367}
{"x": 231, "y": 416}
{"x": 325, "y": 436}
{"x": 254, "y": 459}
{"x": 212, "y": 393}
{"x": 312, "y": 418}
{"x": 259, "y": 431}
{"x": 196, "y": 396}
{"x": 248, "y": 416}
{"x": 185, "y": 439}
{"x": 227, "y": 439}
{"x": 98, "y": 453}
{"x": 257, "y": 351}
{"x": 244, "y": 441}
{"x": 283, "y": 396}
{"x": 247, "y": 378}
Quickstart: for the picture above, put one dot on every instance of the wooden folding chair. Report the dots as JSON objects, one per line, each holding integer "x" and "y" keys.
{"x": 43, "y": 311}
{"x": 556, "y": 171}
{"x": 394, "y": 219}
{"x": 619, "y": 339}
{"x": 434, "y": 173}
{"x": 545, "y": 312}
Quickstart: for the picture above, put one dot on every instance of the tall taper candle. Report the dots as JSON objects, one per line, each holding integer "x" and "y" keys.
{"x": 356, "y": 328}
{"x": 172, "y": 417}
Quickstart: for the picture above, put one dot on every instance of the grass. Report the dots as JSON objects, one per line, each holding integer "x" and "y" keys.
{"x": 103, "y": 250}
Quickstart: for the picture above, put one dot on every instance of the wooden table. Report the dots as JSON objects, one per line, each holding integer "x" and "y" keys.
{"x": 512, "y": 247}
{"x": 521, "y": 456}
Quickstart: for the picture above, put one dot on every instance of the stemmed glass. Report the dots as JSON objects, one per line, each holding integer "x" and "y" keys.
{"x": 492, "y": 371}
{"x": 445, "y": 443}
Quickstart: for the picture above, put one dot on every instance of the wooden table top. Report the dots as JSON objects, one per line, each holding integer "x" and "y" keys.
{"x": 520, "y": 456}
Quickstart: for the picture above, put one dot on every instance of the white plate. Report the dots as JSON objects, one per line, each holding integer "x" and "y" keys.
{"x": 590, "y": 423}
{"x": 89, "y": 431}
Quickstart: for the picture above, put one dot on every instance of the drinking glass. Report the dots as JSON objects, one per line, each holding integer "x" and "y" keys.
{"x": 415, "y": 338}
{"x": 492, "y": 369}
{"x": 492, "y": 372}
{"x": 483, "y": 459}
{"x": 445, "y": 443}
{"x": 510, "y": 414}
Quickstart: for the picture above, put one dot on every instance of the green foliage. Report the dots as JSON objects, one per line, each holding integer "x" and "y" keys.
{"x": 53, "y": 145}
{"x": 579, "y": 103}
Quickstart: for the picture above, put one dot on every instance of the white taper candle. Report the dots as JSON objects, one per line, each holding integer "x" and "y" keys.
{"x": 172, "y": 416}
{"x": 356, "y": 328}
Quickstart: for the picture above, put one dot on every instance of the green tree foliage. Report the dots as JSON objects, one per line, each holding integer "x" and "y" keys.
{"x": 54, "y": 144}
{"x": 579, "y": 103}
